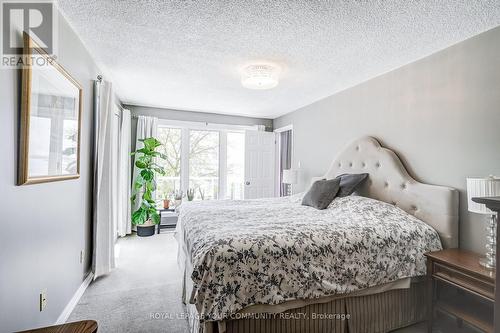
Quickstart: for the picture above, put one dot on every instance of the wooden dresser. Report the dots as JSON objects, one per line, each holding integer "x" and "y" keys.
{"x": 461, "y": 288}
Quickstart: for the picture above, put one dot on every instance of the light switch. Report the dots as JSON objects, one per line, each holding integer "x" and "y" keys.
{"x": 43, "y": 299}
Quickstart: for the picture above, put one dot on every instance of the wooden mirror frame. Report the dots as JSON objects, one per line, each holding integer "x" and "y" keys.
{"x": 30, "y": 46}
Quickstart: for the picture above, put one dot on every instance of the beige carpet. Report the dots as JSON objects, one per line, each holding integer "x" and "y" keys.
{"x": 144, "y": 287}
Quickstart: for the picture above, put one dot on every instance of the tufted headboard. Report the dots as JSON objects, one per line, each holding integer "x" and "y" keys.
{"x": 390, "y": 182}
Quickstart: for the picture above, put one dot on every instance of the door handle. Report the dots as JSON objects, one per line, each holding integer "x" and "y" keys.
{"x": 247, "y": 183}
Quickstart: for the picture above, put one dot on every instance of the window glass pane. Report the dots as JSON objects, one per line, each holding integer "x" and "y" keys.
{"x": 235, "y": 165}
{"x": 171, "y": 182}
{"x": 204, "y": 164}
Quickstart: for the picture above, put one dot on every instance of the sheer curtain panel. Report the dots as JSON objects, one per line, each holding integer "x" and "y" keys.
{"x": 146, "y": 127}
{"x": 124, "y": 175}
{"x": 103, "y": 258}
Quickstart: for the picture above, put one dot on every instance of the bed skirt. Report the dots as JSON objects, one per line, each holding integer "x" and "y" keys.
{"x": 381, "y": 312}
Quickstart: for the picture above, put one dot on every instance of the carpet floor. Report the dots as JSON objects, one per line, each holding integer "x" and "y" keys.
{"x": 144, "y": 286}
{"x": 143, "y": 293}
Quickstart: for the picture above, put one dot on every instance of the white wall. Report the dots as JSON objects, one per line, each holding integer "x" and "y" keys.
{"x": 440, "y": 114}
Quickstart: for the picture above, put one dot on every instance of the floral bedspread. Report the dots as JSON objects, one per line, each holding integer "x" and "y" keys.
{"x": 269, "y": 251}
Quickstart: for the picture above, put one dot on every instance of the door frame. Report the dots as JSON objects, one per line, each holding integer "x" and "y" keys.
{"x": 277, "y": 154}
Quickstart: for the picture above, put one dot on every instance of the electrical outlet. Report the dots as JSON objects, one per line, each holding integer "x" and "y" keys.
{"x": 43, "y": 299}
{"x": 81, "y": 257}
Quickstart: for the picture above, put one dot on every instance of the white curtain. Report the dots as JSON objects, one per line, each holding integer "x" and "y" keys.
{"x": 124, "y": 226}
{"x": 146, "y": 127}
{"x": 104, "y": 201}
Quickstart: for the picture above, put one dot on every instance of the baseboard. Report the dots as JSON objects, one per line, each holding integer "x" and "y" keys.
{"x": 74, "y": 300}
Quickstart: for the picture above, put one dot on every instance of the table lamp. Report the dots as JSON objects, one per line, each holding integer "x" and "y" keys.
{"x": 290, "y": 177}
{"x": 485, "y": 187}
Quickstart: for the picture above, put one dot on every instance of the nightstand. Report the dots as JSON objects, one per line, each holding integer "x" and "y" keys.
{"x": 460, "y": 288}
{"x": 170, "y": 216}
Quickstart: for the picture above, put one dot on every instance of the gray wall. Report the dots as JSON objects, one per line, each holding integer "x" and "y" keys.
{"x": 440, "y": 114}
{"x": 44, "y": 226}
{"x": 213, "y": 118}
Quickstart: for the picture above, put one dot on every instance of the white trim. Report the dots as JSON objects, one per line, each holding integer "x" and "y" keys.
{"x": 222, "y": 165}
{"x": 74, "y": 300}
{"x": 277, "y": 160}
{"x": 204, "y": 125}
{"x": 277, "y": 167}
{"x": 284, "y": 128}
{"x": 185, "y": 148}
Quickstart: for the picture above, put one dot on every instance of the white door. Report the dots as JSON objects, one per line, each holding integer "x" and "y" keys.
{"x": 259, "y": 164}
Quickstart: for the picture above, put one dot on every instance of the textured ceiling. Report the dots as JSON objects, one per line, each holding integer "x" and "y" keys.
{"x": 187, "y": 54}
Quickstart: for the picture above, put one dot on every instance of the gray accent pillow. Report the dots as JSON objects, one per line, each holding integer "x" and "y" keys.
{"x": 321, "y": 193}
{"x": 349, "y": 183}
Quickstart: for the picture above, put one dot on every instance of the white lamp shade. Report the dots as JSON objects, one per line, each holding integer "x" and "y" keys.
{"x": 481, "y": 187}
{"x": 290, "y": 176}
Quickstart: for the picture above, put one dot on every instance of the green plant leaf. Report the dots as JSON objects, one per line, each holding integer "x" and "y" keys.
{"x": 161, "y": 171}
{"x": 139, "y": 183}
{"x": 139, "y": 216}
{"x": 143, "y": 150}
{"x": 151, "y": 143}
{"x": 147, "y": 194}
{"x": 145, "y": 203}
{"x": 147, "y": 174}
{"x": 155, "y": 217}
{"x": 140, "y": 164}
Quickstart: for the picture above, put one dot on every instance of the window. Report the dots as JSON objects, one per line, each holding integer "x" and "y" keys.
{"x": 171, "y": 182}
{"x": 207, "y": 159}
{"x": 235, "y": 165}
{"x": 204, "y": 164}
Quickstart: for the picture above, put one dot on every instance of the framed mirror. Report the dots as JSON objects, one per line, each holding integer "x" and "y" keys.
{"x": 51, "y": 107}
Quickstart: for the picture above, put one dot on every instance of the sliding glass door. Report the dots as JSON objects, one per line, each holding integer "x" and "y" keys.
{"x": 171, "y": 148}
{"x": 211, "y": 162}
{"x": 204, "y": 164}
{"x": 235, "y": 165}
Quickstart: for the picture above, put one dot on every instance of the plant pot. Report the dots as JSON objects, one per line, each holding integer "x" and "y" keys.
{"x": 145, "y": 230}
{"x": 166, "y": 203}
{"x": 178, "y": 202}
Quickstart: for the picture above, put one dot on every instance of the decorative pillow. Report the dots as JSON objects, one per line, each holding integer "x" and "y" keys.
{"x": 349, "y": 183}
{"x": 321, "y": 193}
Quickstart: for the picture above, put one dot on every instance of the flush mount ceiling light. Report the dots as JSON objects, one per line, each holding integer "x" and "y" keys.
{"x": 260, "y": 76}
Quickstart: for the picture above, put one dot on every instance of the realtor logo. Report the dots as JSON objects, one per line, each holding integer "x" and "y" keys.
{"x": 35, "y": 18}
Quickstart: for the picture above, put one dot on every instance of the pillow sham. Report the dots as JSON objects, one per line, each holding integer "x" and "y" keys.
{"x": 321, "y": 193}
{"x": 349, "y": 183}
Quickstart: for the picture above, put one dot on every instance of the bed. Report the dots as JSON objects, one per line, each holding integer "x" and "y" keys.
{"x": 273, "y": 265}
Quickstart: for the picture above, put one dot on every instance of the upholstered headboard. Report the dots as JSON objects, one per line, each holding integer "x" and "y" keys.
{"x": 390, "y": 182}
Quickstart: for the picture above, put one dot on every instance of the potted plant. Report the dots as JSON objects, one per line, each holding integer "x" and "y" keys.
{"x": 202, "y": 194}
{"x": 178, "y": 197}
{"x": 166, "y": 201}
{"x": 190, "y": 194}
{"x": 146, "y": 217}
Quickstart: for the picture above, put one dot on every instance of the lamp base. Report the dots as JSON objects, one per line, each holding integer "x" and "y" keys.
{"x": 489, "y": 260}
{"x": 486, "y": 263}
